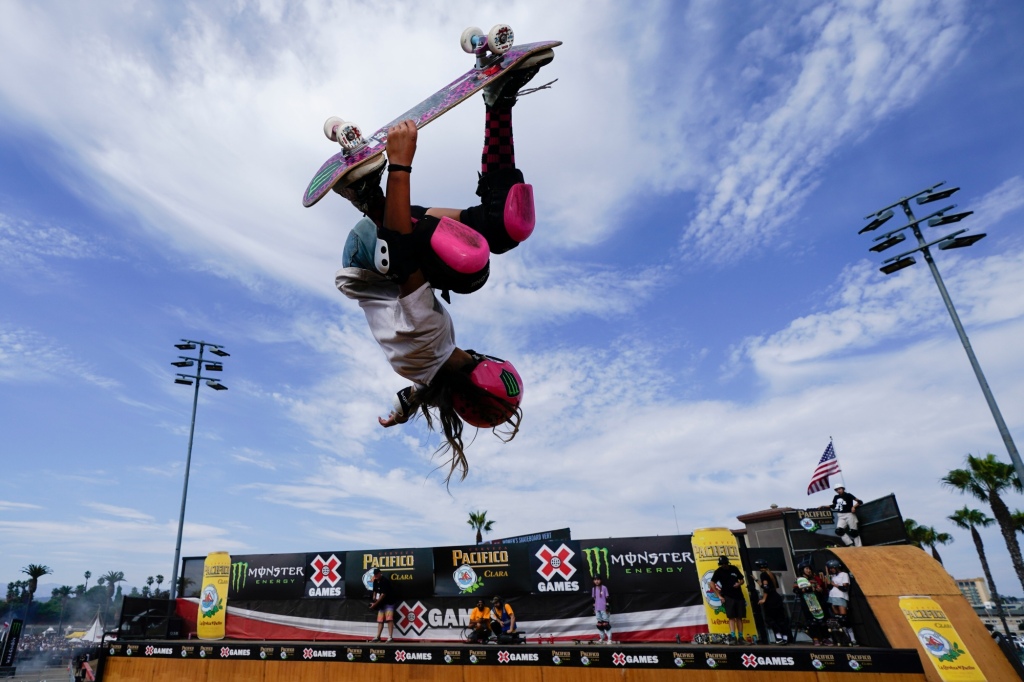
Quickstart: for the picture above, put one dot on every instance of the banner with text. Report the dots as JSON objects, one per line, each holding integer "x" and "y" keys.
{"x": 411, "y": 571}
{"x": 481, "y": 570}
{"x": 642, "y": 564}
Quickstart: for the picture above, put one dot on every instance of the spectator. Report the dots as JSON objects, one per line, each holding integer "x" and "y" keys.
{"x": 503, "y": 618}
{"x": 727, "y": 583}
{"x": 772, "y": 606}
{"x": 479, "y": 620}
{"x": 383, "y": 603}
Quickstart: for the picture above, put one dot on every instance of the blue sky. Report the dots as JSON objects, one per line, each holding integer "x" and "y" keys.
{"x": 694, "y": 316}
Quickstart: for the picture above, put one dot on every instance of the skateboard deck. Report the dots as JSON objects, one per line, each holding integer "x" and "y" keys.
{"x": 423, "y": 113}
{"x": 813, "y": 605}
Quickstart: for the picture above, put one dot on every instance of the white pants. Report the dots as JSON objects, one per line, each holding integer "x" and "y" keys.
{"x": 848, "y": 520}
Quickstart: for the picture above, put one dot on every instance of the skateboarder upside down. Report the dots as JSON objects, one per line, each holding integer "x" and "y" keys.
{"x": 398, "y": 255}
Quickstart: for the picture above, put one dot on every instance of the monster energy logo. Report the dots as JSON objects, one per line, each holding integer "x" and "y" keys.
{"x": 598, "y": 561}
{"x": 239, "y": 572}
{"x": 511, "y": 385}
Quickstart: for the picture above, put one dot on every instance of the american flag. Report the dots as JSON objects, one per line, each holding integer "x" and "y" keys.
{"x": 827, "y": 465}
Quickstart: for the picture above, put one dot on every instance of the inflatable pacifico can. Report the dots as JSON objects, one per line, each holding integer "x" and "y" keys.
{"x": 213, "y": 598}
{"x": 708, "y": 545}
{"x": 951, "y": 659}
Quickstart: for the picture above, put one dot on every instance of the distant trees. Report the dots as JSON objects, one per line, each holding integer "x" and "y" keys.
{"x": 479, "y": 522}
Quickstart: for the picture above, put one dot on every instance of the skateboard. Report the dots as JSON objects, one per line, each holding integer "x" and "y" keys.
{"x": 495, "y": 56}
{"x": 813, "y": 605}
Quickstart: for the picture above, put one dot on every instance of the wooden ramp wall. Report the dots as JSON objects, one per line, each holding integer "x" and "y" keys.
{"x": 167, "y": 670}
{"x": 884, "y": 574}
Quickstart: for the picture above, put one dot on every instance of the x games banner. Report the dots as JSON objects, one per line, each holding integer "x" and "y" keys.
{"x": 647, "y": 564}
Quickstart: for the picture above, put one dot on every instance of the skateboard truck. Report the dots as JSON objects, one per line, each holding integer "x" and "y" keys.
{"x": 345, "y": 133}
{"x": 497, "y": 41}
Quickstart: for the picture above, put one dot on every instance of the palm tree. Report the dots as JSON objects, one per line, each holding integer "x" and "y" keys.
{"x": 34, "y": 573}
{"x": 159, "y": 582}
{"x": 986, "y": 478}
{"x": 933, "y": 537}
{"x": 183, "y": 585}
{"x": 88, "y": 574}
{"x": 478, "y": 521}
{"x": 972, "y": 519}
{"x": 110, "y": 579}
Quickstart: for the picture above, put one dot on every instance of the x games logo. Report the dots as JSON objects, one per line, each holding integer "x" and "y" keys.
{"x": 555, "y": 563}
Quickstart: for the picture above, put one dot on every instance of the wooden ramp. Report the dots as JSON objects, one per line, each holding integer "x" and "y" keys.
{"x": 884, "y": 574}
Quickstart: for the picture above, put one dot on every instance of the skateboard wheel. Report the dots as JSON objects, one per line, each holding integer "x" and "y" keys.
{"x": 331, "y": 127}
{"x": 500, "y": 38}
{"x": 467, "y": 40}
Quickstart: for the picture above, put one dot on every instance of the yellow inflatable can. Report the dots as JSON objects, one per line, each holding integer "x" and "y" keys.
{"x": 708, "y": 545}
{"x": 937, "y": 636}
{"x": 213, "y": 598}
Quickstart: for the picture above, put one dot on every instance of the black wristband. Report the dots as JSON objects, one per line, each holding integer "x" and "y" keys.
{"x": 395, "y": 167}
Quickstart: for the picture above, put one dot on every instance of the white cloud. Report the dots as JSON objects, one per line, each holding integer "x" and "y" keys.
{"x": 862, "y": 62}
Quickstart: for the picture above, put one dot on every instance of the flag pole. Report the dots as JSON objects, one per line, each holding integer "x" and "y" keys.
{"x": 842, "y": 479}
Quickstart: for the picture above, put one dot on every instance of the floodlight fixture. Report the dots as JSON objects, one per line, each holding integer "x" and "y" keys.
{"x": 954, "y": 240}
{"x": 948, "y": 219}
{"x": 961, "y": 242}
{"x": 891, "y": 241}
{"x": 897, "y": 265}
{"x": 937, "y": 196}
{"x": 189, "y": 380}
{"x": 880, "y": 219}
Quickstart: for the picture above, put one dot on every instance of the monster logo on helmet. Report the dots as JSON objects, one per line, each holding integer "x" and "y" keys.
{"x": 501, "y": 392}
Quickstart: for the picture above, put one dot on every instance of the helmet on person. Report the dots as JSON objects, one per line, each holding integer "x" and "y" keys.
{"x": 833, "y": 563}
{"x": 502, "y": 392}
{"x": 723, "y": 560}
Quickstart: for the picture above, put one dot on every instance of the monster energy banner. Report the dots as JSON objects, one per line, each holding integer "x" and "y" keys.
{"x": 266, "y": 576}
{"x": 647, "y": 564}
{"x": 411, "y": 571}
{"x": 481, "y": 570}
{"x": 11, "y": 643}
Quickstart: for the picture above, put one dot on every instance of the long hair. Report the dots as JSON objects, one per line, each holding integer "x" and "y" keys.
{"x": 439, "y": 396}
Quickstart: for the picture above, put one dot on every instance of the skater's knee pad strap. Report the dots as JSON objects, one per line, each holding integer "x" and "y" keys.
{"x": 459, "y": 246}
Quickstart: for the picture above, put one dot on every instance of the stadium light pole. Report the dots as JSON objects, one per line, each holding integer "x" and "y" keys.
{"x": 188, "y": 380}
{"x": 953, "y": 240}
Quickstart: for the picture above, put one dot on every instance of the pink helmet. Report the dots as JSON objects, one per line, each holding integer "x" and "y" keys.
{"x": 498, "y": 378}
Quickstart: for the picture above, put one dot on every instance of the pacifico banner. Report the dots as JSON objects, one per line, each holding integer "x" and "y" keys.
{"x": 411, "y": 571}
{"x": 213, "y": 597}
{"x": 481, "y": 570}
{"x": 946, "y": 650}
{"x": 708, "y": 545}
{"x": 661, "y": 564}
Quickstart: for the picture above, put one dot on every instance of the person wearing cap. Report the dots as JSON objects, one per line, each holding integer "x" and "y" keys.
{"x": 503, "y": 618}
{"x": 727, "y": 583}
{"x": 383, "y": 603}
{"x": 845, "y": 507}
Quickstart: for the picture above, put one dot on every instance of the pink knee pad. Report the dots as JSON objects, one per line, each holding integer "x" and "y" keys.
{"x": 520, "y": 217}
{"x": 459, "y": 246}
